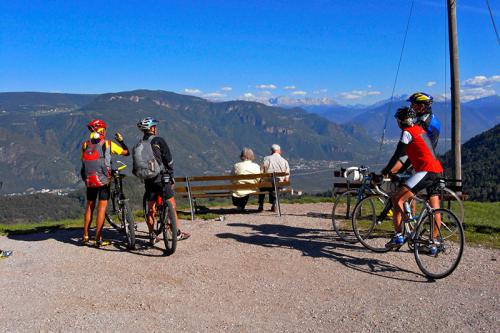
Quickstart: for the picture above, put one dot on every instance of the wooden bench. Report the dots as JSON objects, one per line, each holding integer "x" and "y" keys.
{"x": 197, "y": 187}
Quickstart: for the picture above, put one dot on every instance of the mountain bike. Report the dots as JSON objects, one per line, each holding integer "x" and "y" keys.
{"x": 438, "y": 247}
{"x": 344, "y": 203}
{"x": 119, "y": 214}
{"x": 165, "y": 219}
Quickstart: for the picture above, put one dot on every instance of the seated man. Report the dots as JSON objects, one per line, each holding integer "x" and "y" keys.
{"x": 273, "y": 163}
{"x": 416, "y": 144}
{"x": 245, "y": 167}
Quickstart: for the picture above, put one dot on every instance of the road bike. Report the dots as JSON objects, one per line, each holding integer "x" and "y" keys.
{"x": 119, "y": 214}
{"x": 436, "y": 236}
{"x": 165, "y": 220}
{"x": 344, "y": 203}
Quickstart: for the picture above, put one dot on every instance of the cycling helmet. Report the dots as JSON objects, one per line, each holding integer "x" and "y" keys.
{"x": 420, "y": 98}
{"x": 406, "y": 117}
{"x": 96, "y": 124}
{"x": 146, "y": 123}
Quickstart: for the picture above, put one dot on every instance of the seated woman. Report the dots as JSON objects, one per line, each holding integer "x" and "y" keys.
{"x": 245, "y": 167}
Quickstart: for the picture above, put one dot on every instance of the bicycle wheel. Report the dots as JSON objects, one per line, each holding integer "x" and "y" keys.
{"x": 128, "y": 222}
{"x": 342, "y": 216}
{"x": 113, "y": 214}
{"x": 371, "y": 223}
{"x": 169, "y": 227}
{"x": 437, "y": 257}
{"x": 457, "y": 206}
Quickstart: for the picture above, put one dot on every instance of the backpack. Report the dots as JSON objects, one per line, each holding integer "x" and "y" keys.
{"x": 145, "y": 165}
{"x": 96, "y": 163}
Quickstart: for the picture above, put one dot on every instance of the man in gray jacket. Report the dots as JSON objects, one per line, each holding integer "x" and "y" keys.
{"x": 273, "y": 163}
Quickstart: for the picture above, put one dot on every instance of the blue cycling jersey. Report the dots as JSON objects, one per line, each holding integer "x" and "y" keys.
{"x": 432, "y": 127}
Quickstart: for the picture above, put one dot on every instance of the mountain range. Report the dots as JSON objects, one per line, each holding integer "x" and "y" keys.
{"x": 477, "y": 116}
{"x": 41, "y": 133}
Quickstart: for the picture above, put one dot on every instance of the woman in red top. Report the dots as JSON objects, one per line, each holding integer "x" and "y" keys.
{"x": 416, "y": 144}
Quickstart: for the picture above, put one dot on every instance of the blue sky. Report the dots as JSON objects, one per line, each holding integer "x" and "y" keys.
{"x": 343, "y": 50}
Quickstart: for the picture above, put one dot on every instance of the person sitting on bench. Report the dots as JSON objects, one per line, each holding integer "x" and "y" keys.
{"x": 245, "y": 167}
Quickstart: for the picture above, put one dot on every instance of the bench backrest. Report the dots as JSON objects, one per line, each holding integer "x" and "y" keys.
{"x": 224, "y": 184}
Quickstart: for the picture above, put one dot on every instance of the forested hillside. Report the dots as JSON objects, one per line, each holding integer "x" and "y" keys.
{"x": 481, "y": 165}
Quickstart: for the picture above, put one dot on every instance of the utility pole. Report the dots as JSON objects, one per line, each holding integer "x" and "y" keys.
{"x": 455, "y": 90}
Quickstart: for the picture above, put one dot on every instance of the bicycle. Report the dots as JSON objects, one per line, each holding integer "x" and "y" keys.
{"x": 166, "y": 218}
{"x": 120, "y": 207}
{"x": 374, "y": 229}
{"x": 342, "y": 221}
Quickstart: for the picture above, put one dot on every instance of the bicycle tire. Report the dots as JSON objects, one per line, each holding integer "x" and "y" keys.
{"x": 342, "y": 217}
{"x": 371, "y": 228}
{"x": 459, "y": 211}
{"x": 113, "y": 209}
{"x": 169, "y": 227}
{"x": 450, "y": 249}
{"x": 128, "y": 220}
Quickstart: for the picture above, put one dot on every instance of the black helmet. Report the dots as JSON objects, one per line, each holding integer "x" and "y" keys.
{"x": 406, "y": 117}
{"x": 420, "y": 98}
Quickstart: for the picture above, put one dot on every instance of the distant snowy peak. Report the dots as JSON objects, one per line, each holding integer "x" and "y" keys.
{"x": 309, "y": 101}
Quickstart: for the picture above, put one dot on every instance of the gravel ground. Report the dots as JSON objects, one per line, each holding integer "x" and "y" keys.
{"x": 248, "y": 273}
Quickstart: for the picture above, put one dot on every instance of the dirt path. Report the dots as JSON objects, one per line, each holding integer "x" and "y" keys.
{"x": 249, "y": 273}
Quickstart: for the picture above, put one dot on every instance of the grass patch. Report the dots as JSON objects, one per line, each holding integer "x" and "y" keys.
{"x": 41, "y": 227}
{"x": 482, "y": 222}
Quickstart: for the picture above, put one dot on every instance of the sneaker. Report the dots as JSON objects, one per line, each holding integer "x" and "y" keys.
{"x": 101, "y": 243}
{"x": 5, "y": 254}
{"x": 181, "y": 235}
{"x": 153, "y": 239}
{"x": 273, "y": 209}
{"x": 396, "y": 241}
{"x": 85, "y": 240}
{"x": 261, "y": 208}
{"x": 434, "y": 248}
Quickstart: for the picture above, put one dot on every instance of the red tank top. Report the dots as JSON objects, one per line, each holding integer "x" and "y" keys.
{"x": 420, "y": 151}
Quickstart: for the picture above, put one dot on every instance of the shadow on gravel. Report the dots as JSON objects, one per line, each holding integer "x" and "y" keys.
{"x": 74, "y": 236}
{"x": 313, "y": 243}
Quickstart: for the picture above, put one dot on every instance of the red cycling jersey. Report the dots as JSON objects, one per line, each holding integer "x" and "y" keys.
{"x": 420, "y": 151}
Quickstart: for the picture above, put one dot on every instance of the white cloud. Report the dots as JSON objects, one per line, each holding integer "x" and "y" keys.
{"x": 214, "y": 95}
{"x": 299, "y": 92}
{"x": 369, "y": 86}
{"x": 320, "y": 91}
{"x": 248, "y": 95}
{"x": 192, "y": 91}
{"x": 470, "y": 94}
{"x": 226, "y": 88}
{"x": 431, "y": 83}
{"x": 289, "y": 87}
{"x": 265, "y": 86}
{"x": 481, "y": 81}
{"x": 357, "y": 94}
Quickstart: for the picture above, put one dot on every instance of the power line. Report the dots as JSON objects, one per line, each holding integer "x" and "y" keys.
{"x": 396, "y": 78}
{"x": 493, "y": 21}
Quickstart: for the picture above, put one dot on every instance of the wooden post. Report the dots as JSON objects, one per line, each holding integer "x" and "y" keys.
{"x": 277, "y": 194}
{"x": 455, "y": 90}
{"x": 188, "y": 184}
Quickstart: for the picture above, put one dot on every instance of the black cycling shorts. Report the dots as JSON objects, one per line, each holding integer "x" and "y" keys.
{"x": 153, "y": 190}
{"x": 423, "y": 180}
{"x": 94, "y": 192}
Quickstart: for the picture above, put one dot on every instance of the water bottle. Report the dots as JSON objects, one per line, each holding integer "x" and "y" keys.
{"x": 408, "y": 210}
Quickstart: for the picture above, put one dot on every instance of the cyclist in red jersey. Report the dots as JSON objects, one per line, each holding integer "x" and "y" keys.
{"x": 416, "y": 144}
{"x": 98, "y": 186}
